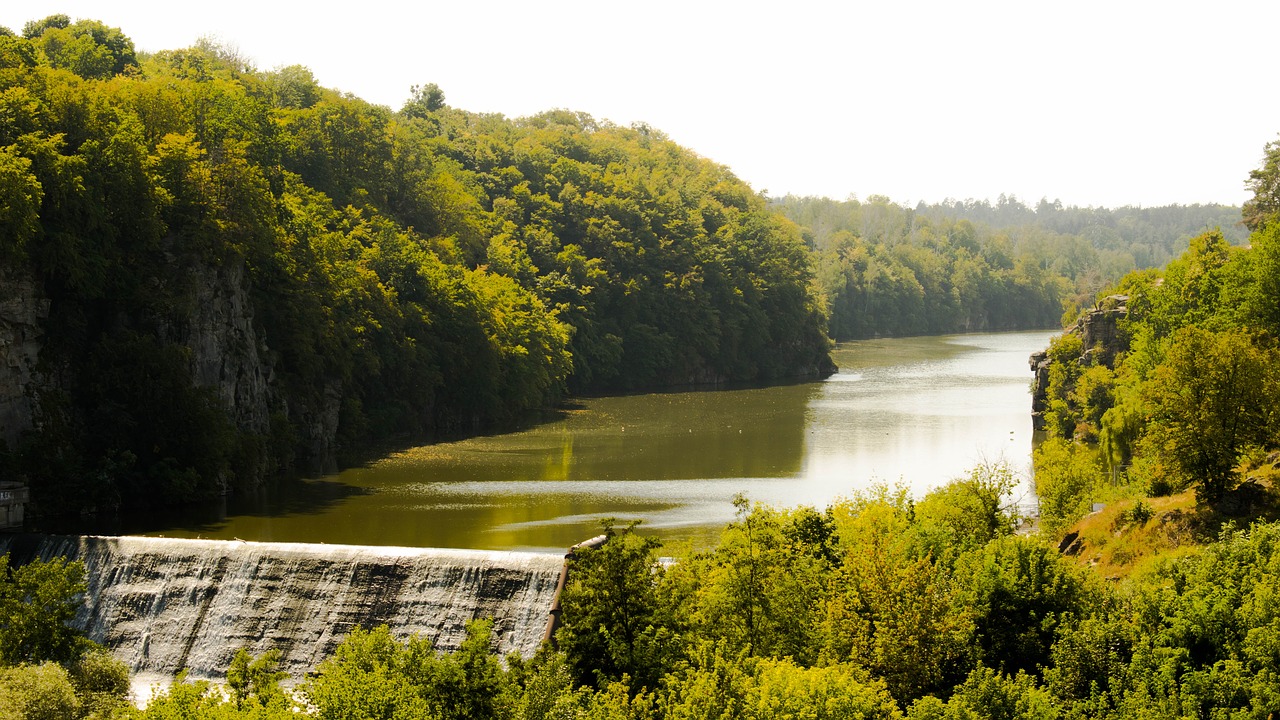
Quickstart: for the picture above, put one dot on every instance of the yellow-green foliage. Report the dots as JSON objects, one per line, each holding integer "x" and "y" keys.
{"x": 47, "y": 668}
{"x": 1062, "y": 416}
{"x": 418, "y": 272}
{"x": 37, "y": 692}
{"x": 836, "y": 692}
{"x": 1068, "y": 478}
{"x": 998, "y": 626}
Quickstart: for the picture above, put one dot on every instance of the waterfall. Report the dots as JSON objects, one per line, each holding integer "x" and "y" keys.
{"x": 163, "y": 605}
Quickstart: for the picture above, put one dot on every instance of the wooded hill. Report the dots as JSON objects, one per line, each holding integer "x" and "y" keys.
{"x": 961, "y": 266}
{"x": 230, "y": 271}
{"x": 213, "y": 273}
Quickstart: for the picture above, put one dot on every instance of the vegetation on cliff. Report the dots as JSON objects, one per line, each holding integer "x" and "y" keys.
{"x": 248, "y": 272}
{"x": 1186, "y": 395}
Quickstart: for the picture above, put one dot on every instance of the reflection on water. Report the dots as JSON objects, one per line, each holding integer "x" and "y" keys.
{"x": 917, "y": 411}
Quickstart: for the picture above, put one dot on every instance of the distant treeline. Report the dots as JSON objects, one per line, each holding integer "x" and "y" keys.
{"x": 956, "y": 266}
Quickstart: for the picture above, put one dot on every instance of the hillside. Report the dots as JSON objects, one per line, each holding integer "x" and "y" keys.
{"x": 214, "y": 274}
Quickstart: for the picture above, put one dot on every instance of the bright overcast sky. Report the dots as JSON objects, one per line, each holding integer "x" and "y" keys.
{"x": 1096, "y": 103}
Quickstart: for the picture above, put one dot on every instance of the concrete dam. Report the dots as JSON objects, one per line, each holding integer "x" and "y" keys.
{"x": 163, "y": 605}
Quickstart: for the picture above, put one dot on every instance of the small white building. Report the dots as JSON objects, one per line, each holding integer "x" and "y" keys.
{"x": 13, "y": 499}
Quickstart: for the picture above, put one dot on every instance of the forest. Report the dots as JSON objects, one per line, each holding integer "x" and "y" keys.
{"x": 433, "y": 270}
{"x": 881, "y": 605}
{"x": 231, "y": 274}
{"x": 247, "y": 274}
{"x": 968, "y": 266}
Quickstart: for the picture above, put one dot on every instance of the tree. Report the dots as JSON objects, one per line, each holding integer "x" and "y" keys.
{"x": 423, "y": 100}
{"x": 1021, "y": 592}
{"x": 37, "y": 692}
{"x": 88, "y": 48}
{"x": 371, "y": 675}
{"x": 611, "y": 626}
{"x": 1066, "y": 475}
{"x": 35, "y": 28}
{"x": 837, "y": 692}
{"x": 1264, "y": 182}
{"x": 256, "y": 679}
{"x": 37, "y": 603}
{"x": 293, "y": 86}
{"x": 20, "y": 196}
{"x": 1212, "y": 399}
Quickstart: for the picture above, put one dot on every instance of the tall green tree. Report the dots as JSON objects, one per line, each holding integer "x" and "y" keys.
{"x": 612, "y": 624}
{"x": 38, "y": 601}
{"x": 1213, "y": 399}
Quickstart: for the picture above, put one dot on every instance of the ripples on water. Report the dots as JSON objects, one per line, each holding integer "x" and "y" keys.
{"x": 914, "y": 411}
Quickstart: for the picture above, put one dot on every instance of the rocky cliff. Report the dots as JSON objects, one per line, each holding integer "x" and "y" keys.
{"x": 1099, "y": 331}
{"x": 23, "y": 310}
{"x": 206, "y": 310}
{"x": 227, "y": 353}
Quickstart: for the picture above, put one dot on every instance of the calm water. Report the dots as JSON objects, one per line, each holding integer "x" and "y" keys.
{"x": 916, "y": 411}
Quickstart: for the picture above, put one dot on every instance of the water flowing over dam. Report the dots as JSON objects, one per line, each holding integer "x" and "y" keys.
{"x": 163, "y": 605}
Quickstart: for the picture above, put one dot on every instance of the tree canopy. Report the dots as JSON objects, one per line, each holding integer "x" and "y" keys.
{"x": 248, "y": 273}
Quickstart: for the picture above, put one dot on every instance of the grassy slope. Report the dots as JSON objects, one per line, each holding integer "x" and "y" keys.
{"x": 1117, "y": 541}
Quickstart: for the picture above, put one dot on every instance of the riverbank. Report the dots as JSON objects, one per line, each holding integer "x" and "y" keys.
{"x": 911, "y": 411}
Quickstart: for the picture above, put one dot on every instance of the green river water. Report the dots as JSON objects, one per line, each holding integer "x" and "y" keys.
{"x": 915, "y": 411}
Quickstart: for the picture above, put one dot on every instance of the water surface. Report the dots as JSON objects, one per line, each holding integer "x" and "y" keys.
{"x": 914, "y": 411}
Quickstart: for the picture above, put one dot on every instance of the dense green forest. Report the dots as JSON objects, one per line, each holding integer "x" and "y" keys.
{"x": 245, "y": 272}
{"x": 223, "y": 274}
{"x": 434, "y": 270}
{"x": 881, "y": 605}
{"x": 960, "y": 266}
{"x": 876, "y": 607}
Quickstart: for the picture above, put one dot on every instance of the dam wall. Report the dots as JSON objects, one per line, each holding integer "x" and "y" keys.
{"x": 164, "y": 605}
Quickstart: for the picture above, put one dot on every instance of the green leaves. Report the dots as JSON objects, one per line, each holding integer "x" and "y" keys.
{"x": 88, "y": 48}
{"x": 20, "y": 198}
{"x": 37, "y": 603}
{"x": 612, "y": 625}
{"x": 1022, "y": 592}
{"x": 1212, "y": 400}
{"x": 374, "y": 676}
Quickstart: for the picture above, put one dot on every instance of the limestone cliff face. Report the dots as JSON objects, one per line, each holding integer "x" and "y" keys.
{"x": 230, "y": 355}
{"x": 1099, "y": 332}
{"x": 23, "y": 310}
{"x": 226, "y": 352}
{"x": 214, "y": 317}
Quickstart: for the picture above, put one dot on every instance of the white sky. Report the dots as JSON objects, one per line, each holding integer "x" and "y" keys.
{"x": 1096, "y": 103}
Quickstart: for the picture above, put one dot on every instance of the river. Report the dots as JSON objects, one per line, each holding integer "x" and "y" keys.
{"x": 910, "y": 411}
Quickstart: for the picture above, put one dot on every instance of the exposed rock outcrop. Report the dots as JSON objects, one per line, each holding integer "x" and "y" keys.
{"x": 23, "y": 310}
{"x": 213, "y": 316}
{"x": 1099, "y": 331}
{"x": 1100, "y": 336}
{"x": 1040, "y": 387}
{"x": 226, "y": 352}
